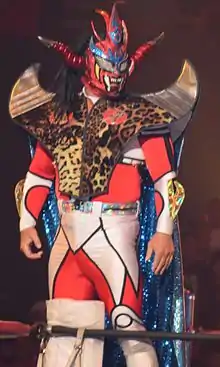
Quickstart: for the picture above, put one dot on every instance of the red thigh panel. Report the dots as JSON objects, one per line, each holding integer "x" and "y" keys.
{"x": 129, "y": 296}
{"x": 70, "y": 281}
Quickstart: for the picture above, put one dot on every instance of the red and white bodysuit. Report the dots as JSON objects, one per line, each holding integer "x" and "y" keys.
{"x": 94, "y": 254}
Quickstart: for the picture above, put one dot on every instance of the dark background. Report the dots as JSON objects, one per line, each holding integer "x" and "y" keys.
{"x": 192, "y": 31}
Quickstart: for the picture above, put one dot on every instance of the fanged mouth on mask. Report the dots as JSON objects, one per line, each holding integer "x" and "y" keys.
{"x": 112, "y": 82}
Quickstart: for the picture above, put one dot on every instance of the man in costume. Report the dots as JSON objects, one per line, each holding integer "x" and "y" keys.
{"x": 98, "y": 148}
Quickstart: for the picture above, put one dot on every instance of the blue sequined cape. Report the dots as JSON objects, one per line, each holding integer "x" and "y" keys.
{"x": 163, "y": 300}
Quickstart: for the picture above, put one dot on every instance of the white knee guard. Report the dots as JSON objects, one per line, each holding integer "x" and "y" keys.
{"x": 137, "y": 353}
{"x": 70, "y": 351}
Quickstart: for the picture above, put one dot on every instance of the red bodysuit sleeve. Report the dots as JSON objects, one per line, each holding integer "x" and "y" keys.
{"x": 159, "y": 158}
{"x": 37, "y": 185}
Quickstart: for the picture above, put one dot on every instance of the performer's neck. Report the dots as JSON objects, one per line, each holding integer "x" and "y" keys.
{"x": 89, "y": 94}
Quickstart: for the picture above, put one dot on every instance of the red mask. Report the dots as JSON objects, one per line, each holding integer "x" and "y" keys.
{"x": 107, "y": 62}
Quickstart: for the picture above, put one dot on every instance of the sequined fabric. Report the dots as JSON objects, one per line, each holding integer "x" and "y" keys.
{"x": 163, "y": 302}
{"x": 50, "y": 213}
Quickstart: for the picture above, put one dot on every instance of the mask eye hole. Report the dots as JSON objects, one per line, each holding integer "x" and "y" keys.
{"x": 124, "y": 66}
{"x": 104, "y": 64}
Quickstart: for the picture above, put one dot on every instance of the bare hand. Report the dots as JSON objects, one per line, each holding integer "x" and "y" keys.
{"x": 28, "y": 240}
{"x": 162, "y": 246}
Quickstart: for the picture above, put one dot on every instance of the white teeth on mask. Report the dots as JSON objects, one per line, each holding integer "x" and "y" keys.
{"x": 110, "y": 80}
{"x": 116, "y": 80}
{"x": 107, "y": 82}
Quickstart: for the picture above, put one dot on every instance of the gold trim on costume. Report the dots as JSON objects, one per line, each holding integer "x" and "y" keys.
{"x": 18, "y": 192}
{"x": 176, "y": 195}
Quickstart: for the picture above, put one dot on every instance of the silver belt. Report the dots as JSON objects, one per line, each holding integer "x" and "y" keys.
{"x": 133, "y": 161}
{"x": 98, "y": 207}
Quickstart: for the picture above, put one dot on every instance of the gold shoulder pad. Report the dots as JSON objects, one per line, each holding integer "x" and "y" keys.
{"x": 181, "y": 96}
{"x": 27, "y": 93}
